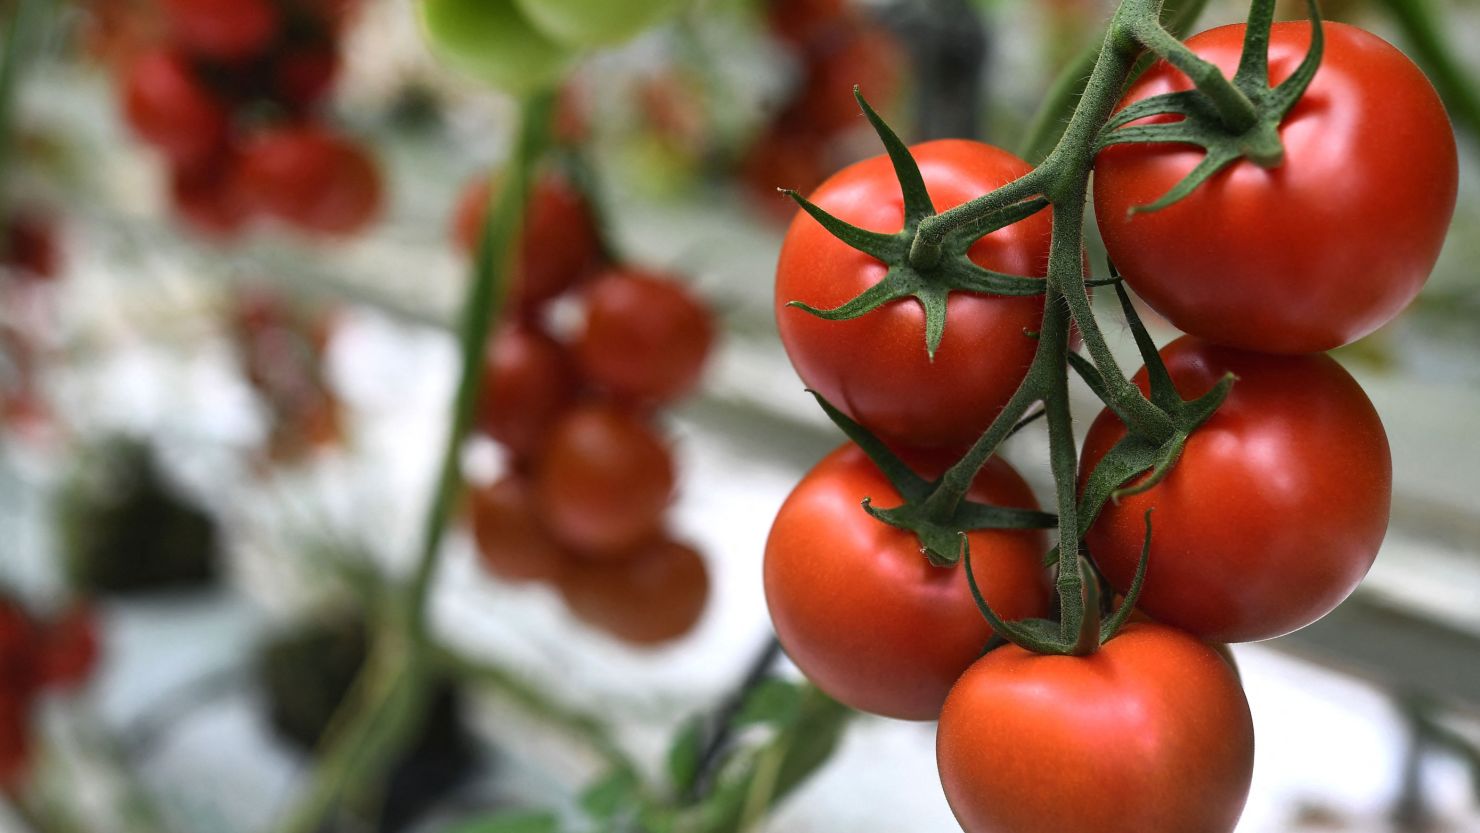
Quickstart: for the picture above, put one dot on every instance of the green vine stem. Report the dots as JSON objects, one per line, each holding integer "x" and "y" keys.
{"x": 21, "y": 32}
{"x": 388, "y": 699}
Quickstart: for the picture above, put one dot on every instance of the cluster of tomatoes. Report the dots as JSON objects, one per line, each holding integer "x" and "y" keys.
{"x": 590, "y": 474}
{"x": 1271, "y": 517}
{"x": 835, "y": 47}
{"x": 232, "y": 100}
{"x": 37, "y": 656}
{"x": 282, "y": 354}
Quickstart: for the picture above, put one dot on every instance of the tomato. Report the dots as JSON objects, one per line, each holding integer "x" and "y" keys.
{"x": 15, "y": 740}
{"x": 512, "y": 544}
{"x": 646, "y": 336}
{"x": 863, "y": 613}
{"x": 603, "y": 481}
{"x": 787, "y": 156}
{"x": 863, "y": 56}
{"x": 312, "y": 179}
{"x": 1152, "y": 732}
{"x": 1274, "y": 512}
{"x": 803, "y": 22}
{"x": 875, "y": 368}
{"x": 227, "y": 30}
{"x": 166, "y": 105}
{"x": 28, "y": 244}
{"x": 210, "y": 199}
{"x": 492, "y": 41}
{"x": 1310, "y": 255}
{"x": 656, "y": 595}
{"x": 559, "y": 243}
{"x": 69, "y": 649}
{"x": 17, "y": 650}
{"x": 587, "y": 23}
{"x": 527, "y": 384}
{"x": 304, "y": 73}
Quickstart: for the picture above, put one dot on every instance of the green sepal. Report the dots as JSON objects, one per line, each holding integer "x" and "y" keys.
{"x": 917, "y": 203}
{"x": 1041, "y": 636}
{"x": 1202, "y": 124}
{"x": 1117, "y": 620}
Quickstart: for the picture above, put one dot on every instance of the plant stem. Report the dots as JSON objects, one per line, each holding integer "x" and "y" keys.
{"x": 19, "y": 36}
{"x": 721, "y": 730}
{"x": 387, "y": 701}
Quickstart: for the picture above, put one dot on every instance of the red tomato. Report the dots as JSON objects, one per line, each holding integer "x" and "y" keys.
{"x": 656, "y": 596}
{"x": 18, "y": 639}
{"x": 527, "y": 384}
{"x": 30, "y": 246}
{"x": 226, "y": 30}
{"x": 559, "y": 244}
{"x": 875, "y": 368}
{"x": 166, "y": 105}
{"x": 646, "y": 336}
{"x": 1276, "y": 509}
{"x": 15, "y": 740}
{"x": 312, "y": 179}
{"x": 603, "y": 481}
{"x": 303, "y": 74}
{"x": 69, "y": 649}
{"x": 512, "y": 544}
{"x": 1151, "y": 733}
{"x": 805, "y": 21}
{"x": 783, "y": 156}
{"x": 1310, "y": 255}
{"x": 210, "y": 199}
{"x": 862, "y": 56}
{"x": 863, "y": 613}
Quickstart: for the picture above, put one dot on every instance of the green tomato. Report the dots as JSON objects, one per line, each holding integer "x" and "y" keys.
{"x": 587, "y": 23}
{"x": 490, "y": 40}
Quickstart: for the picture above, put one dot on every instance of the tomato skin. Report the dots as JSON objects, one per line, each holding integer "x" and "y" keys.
{"x": 588, "y": 23}
{"x": 166, "y": 105}
{"x": 312, "y": 179}
{"x": 1276, "y": 509}
{"x": 875, "y": 368}
{"x": 226, "y": 30}
{"x": 528, "y": 384}
{"x": 512, "y": 544}
{"x": 70, "y": 647}
{"x": 493, "y": 42}
{"x": 1152, "y": 732}
{"x": 1313, "y": 254}
{"x": 29, "y": 245}
{"x": 559, "y": 244}
{"x": 646, "y": 336}
{"x": 862, "y": 612}
{"x": 210, "y": 199}
{"x": 656, "y": 595}
{"x": 603, "y": 481}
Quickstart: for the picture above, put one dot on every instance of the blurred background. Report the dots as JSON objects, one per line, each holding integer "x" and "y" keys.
{"x": 233, "y": 266}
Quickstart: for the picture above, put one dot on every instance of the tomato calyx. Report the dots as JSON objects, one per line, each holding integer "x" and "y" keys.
{"x": 928, "y": 280}
{"x": 940, "y": 525}
{"x": 1230, "y": 119}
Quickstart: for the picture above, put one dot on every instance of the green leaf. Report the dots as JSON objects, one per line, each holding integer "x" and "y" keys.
{"x": 683, "y": 755}
{"x": 774, "y": 702}
{"x": 511, "y": 822}
{"x": 611, "y": 795}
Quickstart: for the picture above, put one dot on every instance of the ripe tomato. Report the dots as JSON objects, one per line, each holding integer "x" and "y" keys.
{"x": 527, "y": 384}
{"x": 646, "y": 336}
{"x": 875, "y": 368}
{"x": 1310, "y": 255}
{"x": 512, "y": 544}
{"x": 603, "y": 481}
{"x": 304, "y": 73}
{"x": 210, "y": 199}
{"x": 656, "y": 595}
{"x": 864, "y": 56}
{"x": 1152, "y": 732}
{"x": 166, "y": 105}
{"x": 312, "y": 179}
{"x": 15, "y": 740}
{"x": 804, "y": 22}
{"x": 558, "y": 246}
{"x": 226, "y": 30}
{"x": 493, "y": 42}
{"x": 587, "y": 23}
{"x": 69, "y": 649}
{"x": 28, "y": 244}
{"x": 863, "y": 613}
{"x": 1276, "y": 509}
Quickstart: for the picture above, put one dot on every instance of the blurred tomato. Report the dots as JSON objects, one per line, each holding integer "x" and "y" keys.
{"x": 646, "y": 336}
{"x": 168, "y": 107}
{"x": 527, "y": 384}
{"x": 512, "y": 544}
{"x": 657, "y": 595}
{"x": 225, "y": 30}
{"x": 312, "y": 179}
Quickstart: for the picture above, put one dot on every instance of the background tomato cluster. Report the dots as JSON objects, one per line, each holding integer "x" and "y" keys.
{"x": 225, "y": 384}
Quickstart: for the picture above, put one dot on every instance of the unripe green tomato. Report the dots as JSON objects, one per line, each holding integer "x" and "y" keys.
{"x": 587, "y": 23}
{"x": 490, "y": 40}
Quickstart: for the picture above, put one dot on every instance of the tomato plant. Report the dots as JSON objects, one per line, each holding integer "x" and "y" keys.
{"x": 876, "y": 367}
{"x": 1151, "y": 732}
{"x": 1274, "y": 512}
{"x": 603, "y": 481}
{"x": 656, "y": 594}
{"x": 863, "y": 614}
{"x": 1314, "y": 253}
{"x": 646, "y": 337}
{"x": 586, "y": 23}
